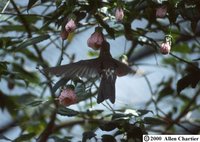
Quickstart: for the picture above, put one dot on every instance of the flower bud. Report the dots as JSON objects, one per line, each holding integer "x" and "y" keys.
{"x": 119, "y": 14}
{"x": 165, "y": 48}
{"x": 161, "y": 11}
{"x": 124, "y": 59}
{"x": 96, "y": 40}
{"x": 67, "y": 97}
{"x": 70, "y": 26}
{"x": 64, "y": 34}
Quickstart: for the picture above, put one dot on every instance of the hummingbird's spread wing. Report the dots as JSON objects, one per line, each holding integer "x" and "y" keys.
{"x": 122, "y": 69}
{"x": 83, "y": 68}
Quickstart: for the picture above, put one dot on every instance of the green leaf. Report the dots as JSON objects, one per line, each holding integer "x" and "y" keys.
{"x": 66, "y": 111}
{"x": 183, "y": 48}
{"x": 190, "y": 79}
{"x": 108, "y": 138}
{"x": 184, "y": 98}
{"x": 133, "y": 131}
{"x": 8, "y": 102}
{"x": 93, "y": 113}
{"x": 196, "y": 59}
{"x": 35, "y": 103}
{"x": 88, "y": 135}
{"x": 153, "y": 121}
{"x": 2, "y": 137}
{"x": 30, "y": 55}
{"x": 143, "y": 111}
{"x": 30, "y": 18}
{"x": 65, "y": 139}
{"x": 25, "y": 98}
{"x": 171, "y": 61}
{"x": 108, "y": 126}
{"x": 25, "y": 75}
{"x": 30, "y": 4}
{"x": 183, "y": 83}
{"x": 24, "y": 137}
{"x": 119, "y": 132}
{"x": 117, "y": 116}
{"x": 194, "y": 25}
{"x": 3, "y": 68}
{"x": 166, "y": 91}
{"x": 43, "y": 1}
{"x": 32, "y": 41}
{"x": 172, "y": 13}
{"x": 6, "y": 42}
{"x": 86, "y": 95}
{"x": 58, "y": 3}
{"x": 60, "y": 83}
{"x": 9, "y": 28}
{"x": 80, "y": 90}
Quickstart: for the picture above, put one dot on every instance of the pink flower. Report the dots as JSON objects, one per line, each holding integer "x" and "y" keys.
{"x": 67, "y": 97}
{"x": 161, "y": 11}
{"x": 119, "y": 14}
{"x": 96, "y": 39}
{"x": 70, "y": 26}
{"x": 165, "y": 48}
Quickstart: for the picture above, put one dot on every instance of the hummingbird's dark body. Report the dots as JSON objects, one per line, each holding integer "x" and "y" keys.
{"x": 104, "y": 66}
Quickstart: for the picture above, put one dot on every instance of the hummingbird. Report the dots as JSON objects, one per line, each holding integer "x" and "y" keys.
{"x": 104, "y": 66}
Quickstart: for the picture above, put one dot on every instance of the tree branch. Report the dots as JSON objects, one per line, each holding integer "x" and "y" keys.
{"x": 48, "y": 130}
{"x": 184, "y": 112}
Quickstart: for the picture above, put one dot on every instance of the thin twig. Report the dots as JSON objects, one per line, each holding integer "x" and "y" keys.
{"x": 2, "y": 12}
{"x": 75, "y": 122}
{"x": 152, "y": 93}
{"x": 185, "y": 111}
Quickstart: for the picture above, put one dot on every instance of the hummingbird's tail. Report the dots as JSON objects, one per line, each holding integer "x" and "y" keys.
{"x": 107, "y": 87}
